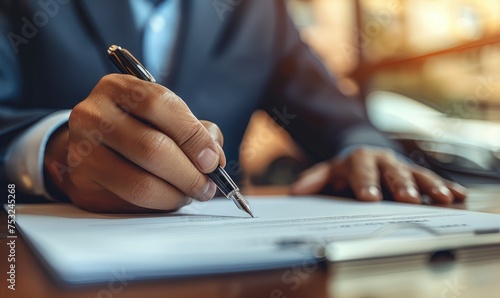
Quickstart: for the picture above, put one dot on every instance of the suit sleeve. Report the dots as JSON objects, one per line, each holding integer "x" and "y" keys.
{"x": 14, "y": 118}
{"x": 305, "y": 101}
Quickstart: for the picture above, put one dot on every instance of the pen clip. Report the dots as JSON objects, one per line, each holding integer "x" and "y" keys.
{"x": 127, "y": 63}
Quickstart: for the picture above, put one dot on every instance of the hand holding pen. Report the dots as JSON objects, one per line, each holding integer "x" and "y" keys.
{"x": 128, "y": 64}
{"x": 124, "y": 150}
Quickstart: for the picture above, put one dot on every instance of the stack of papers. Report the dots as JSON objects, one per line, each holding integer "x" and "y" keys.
{"x": 215, "y": 237}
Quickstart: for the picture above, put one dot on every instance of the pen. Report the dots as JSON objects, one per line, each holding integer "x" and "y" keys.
{"x": 128, "y": 64}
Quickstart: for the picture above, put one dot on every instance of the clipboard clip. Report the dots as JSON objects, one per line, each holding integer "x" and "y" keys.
{"x": 378, "y": 245}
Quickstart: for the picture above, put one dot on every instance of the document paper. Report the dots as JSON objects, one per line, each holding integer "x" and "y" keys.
{"x": 216, "y": 237}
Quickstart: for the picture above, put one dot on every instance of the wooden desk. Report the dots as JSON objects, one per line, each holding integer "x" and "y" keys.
{"x": 470, "y": 276}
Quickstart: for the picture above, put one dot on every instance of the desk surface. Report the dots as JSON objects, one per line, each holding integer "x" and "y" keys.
{"x": 476, "y": 274}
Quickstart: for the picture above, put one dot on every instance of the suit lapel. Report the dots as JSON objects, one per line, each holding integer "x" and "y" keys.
{"x": 121, "y": 30}
{"x": 200, "y": 31}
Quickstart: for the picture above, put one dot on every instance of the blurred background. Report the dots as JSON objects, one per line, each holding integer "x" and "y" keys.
{"x": 426, "y": 70}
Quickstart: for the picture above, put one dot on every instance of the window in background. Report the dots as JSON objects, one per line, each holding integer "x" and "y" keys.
{"x": 444, "y": 53}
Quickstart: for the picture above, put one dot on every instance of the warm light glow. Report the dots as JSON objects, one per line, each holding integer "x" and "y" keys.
{"x": 408, "y": 29}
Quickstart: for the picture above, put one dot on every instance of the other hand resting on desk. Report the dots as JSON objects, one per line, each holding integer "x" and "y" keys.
{"x": 364, "y": 169}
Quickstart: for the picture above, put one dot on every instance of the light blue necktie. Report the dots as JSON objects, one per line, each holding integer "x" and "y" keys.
{"x": 160, "y": 32}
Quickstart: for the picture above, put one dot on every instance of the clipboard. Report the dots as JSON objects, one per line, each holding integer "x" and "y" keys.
{"x": 289, "y": 231}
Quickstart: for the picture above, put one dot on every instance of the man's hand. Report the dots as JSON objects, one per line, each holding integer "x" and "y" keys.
{"x": 134, "y": 146}
{"x": 365, "y": 168}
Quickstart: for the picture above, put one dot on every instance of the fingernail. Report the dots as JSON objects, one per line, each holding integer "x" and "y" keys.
{"x": 410, "y": 192}
{"x": 209, "y": 192}
{"x": 370, "y": 193}
{"x": 441, "y": 190}
{"x": 459, "y": 188}
{"x": 207, "y": 160}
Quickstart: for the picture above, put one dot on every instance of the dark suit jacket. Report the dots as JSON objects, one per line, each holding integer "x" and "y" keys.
{"x": 226, "y": 65}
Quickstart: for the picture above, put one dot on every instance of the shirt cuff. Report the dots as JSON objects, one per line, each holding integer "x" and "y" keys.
{"x": 25, "y": 156}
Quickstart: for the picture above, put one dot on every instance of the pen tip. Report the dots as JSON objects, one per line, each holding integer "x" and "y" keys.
{"x": 247, "y": 210}
{"x": 243, "y": 204}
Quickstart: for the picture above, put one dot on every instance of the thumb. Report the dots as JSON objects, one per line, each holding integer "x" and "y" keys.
{"x": 218, "y": 137}
{"x": 313, "y": 180}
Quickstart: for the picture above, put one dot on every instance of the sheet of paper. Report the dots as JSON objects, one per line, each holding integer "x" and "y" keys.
{"x": 216, "y": 237}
